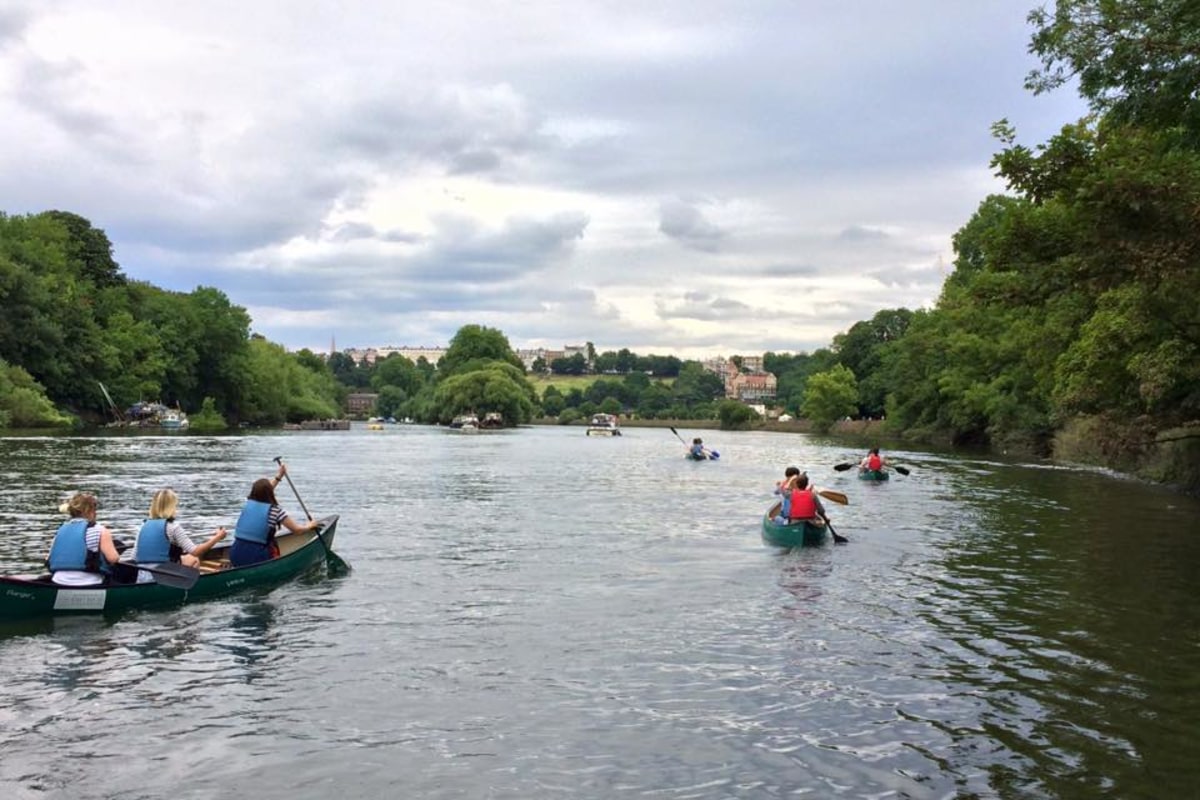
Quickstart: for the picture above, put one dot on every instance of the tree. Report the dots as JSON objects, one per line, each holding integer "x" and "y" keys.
{"x": 398, "y": 371}
{"x": 1137, "y": 61}
{"x": 553, "y": 402}
{"x": 499, "y": 387}
{"x": 569, "y": 365}
{"x": 735, "y": 416}
{"x": 476, "y": 343}
{"x": 829, "y": 396}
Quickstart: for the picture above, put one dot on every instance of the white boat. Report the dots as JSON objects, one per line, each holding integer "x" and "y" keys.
{"x": 465, "y": 423}
{"x": 173, "y": 421}
{"x": 603, "y": 425}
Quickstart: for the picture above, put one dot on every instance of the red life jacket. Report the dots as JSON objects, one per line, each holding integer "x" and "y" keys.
{"x": 803, "y": 505}
{"x": 874, "y": 463}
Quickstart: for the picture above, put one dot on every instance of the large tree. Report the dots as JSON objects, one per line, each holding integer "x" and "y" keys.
{"x": 1137, "y": 61}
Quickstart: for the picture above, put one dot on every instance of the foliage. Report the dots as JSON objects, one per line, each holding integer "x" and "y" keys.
{"x": 23, "y": 402}
{"x": 1137, "y": 61}
{"x": 735, "y": 416}
{"x": 280, "y": 389}
{"x": 208, "y": 418}
{"x": 829, "y": 396}
{"x": 473, "y": 344}
{"x": 495, "y": 387}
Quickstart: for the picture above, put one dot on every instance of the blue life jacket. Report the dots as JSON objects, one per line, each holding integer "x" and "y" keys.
{"x": 69, "y": 550}
{"x": 697, "y": 451}
{"x": 252, "y": 524}
{"x": 785, "y": 506}
{"x": 153, "y": 546}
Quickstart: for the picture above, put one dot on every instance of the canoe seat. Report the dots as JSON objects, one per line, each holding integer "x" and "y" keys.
{"x": 208, "y": 567}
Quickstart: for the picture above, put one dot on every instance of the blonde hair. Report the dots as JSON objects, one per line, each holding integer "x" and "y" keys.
{"x": 80, "y": 504}
{"x": 164, "y": 504}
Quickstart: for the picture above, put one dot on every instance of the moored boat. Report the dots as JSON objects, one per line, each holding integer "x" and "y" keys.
{"x": 603, "y": 425}
{"x": 794, "y": 534}
{"x": 465, "y": 423}
{"x": 872, "y": 475}
{"x": 26, "y": 597}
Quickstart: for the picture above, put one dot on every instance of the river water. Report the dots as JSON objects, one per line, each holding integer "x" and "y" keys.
{"x": 540, "y": 614}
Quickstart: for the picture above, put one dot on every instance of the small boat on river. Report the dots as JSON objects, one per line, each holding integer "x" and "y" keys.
{"x": 465, "y": 423}
{"x": 793, "y": 534}
{"x": 603, "y": 425}
{"x": 26, "y": 597}
{"x": 873, "y": 475}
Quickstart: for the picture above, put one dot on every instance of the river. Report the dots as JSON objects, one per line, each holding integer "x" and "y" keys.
{"x": 538, "y": 614}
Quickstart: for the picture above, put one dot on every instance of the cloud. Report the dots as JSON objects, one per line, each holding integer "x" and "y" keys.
{"x": 675, "y": 178}
{"x": 687, "y": 225}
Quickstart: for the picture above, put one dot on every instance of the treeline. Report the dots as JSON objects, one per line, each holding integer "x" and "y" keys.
{"x": 74, "y": 323}
{"x": 1071, "y": 322}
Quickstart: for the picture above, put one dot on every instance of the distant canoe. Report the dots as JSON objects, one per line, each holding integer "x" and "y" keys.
{"x": 872, "y": 475}
{"x": 795, "y": 534}
{"x": 30, "y": 597}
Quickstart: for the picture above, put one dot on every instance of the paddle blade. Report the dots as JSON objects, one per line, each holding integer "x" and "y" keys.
{"x": 176, "y": 576}
{"x": 834, "y": 495}
{"x": 843, "y": 467}
{"x": 714, "y": 455}
{"x": 901, "y": 470}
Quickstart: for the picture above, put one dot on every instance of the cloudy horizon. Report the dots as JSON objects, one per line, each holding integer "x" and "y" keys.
{"x": 696, "y": 179}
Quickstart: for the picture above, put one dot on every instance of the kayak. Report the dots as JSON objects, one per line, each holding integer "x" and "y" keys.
{"x": 873, "y": 475}
{"x": 794, "y": 534}
{"x": 27, "y": 597}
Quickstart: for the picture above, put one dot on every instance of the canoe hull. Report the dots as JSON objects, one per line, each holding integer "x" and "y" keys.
{"x": 797, "y": 534}
{"x": 25, "y": 598}
{"x": 872, "y": 475}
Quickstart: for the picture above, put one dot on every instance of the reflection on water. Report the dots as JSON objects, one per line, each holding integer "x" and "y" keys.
{"x": 539, "y": 614}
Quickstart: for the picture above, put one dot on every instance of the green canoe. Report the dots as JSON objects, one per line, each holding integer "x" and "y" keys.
{"x": 27, "y": 597}
{"x": 872, "y": 475}
{"x": 796, "y": 534}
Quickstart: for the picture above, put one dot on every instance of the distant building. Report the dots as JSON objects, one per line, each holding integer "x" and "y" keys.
{"x": 752, "y": 387}
{"x": 370, "y": 355}
{"x": 360, "y": 404}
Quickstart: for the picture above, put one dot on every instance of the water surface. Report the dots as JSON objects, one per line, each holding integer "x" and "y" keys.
{"x": 539, "y": 614}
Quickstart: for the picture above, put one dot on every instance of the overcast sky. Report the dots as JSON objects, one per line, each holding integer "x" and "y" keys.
{"x": 691, "y": 178}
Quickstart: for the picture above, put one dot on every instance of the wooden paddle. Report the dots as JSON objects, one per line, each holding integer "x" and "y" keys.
{"x": 332, "y": 559}
{"x": 834, "y": 495}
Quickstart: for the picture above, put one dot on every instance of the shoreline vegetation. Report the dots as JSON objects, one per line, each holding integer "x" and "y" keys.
{"x": 1067, "y": 325}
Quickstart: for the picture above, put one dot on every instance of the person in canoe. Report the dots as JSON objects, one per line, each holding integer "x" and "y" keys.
{"x": 804, "y": 505}
{"x": 873, "y": 462}
{"x": 698, "y": 451}
{"x": 83, "y": 551}
{"x": 162, "y": 539}
{"x": 261, "y": 517}
{"x": 784, "y": 489}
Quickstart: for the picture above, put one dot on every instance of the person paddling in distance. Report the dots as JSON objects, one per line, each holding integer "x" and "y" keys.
{"x": 805, "y": 505}
{"x": 162, "y": 539}
{"x": 83, "y": 551}
{"x": 698, "y": 450}
{"x": 873, "y": 462}
{"x": 261, "y": 517}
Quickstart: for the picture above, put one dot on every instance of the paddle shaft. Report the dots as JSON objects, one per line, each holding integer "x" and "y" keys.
{"x": 837, "y": 537}
{"x": 330, "y": 557}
